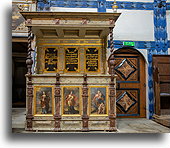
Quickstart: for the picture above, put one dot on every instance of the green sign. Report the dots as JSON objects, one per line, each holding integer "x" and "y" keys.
{"x": 129, "y": 43}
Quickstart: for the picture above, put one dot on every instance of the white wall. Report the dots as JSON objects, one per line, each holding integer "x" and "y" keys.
{"x": 168, "y": 23}
{"x": 134, "y": 0}
{"x": 62, "y": 9}
{"x": 134, "y": 25}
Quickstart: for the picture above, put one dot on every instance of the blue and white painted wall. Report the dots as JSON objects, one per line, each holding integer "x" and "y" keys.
{"x": 145, "y": 22}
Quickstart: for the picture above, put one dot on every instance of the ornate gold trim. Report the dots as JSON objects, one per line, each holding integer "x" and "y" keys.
{"x": 65, "y": 42}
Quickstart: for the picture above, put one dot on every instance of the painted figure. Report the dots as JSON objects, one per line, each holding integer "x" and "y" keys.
{"x": 44, "y": 103}
{"x": 71, "y": 103}
{"x": 98, "y": 103}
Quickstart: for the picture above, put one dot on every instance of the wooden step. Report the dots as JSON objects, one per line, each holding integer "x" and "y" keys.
{"x": 162, "y": 119}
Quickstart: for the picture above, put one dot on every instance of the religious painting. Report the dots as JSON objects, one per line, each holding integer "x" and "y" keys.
{"x": 43, "y": 100}
{"x": 92, "y": 60}
{"x": 51, "y": 56}
{"x": 71, "y": 100}
{"x": 71, "y": 60}
{"x": 98, "y": 100}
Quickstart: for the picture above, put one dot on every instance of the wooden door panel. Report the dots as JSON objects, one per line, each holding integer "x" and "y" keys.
{"x": 130, "y": 71}
{"x": 127, "y": 101}
{"x": 127, "y": 68}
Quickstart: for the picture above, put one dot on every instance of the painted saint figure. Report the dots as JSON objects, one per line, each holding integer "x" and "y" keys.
{"x": 98, "y": 103}
{"x": 44, "y": 101}
{"x": 71, "y": 103}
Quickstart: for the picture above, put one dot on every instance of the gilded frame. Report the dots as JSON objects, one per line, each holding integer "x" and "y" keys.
{"x": 99, "y": 59}
{"x": 106, "y": 100}
{"x": 35, "y": 100}
{"x": 44, "y": 48}
{"x": 65, "y": 48}
{"x": 80, "y": 101}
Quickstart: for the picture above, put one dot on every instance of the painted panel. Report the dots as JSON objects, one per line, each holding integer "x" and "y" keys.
{"x": 71, "y": 100}
{"x": 43, "y": 100}
{"x": 98, "y": 100}
{"x": 18, "y": 22}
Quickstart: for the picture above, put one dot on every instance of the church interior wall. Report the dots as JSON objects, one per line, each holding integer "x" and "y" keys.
{"x": 62, "y": 9}
{"x": 133, "y": 25}
{"x": 139, "y": 25}
{"x": 168, "y": 23}
{"x": 134, "y": 0}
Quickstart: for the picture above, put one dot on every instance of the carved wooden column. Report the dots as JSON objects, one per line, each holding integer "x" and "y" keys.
{"x": 57, "y": 116}
{"x": 111, "y": 61}
{"x": 85, "y": 117}
{"x": 29, "y": 87}
{"x": 112, "y": 112}
{"x": 112, "y": 95}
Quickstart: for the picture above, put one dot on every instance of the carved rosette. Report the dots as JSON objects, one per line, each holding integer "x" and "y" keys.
{"x": 29, "y": 63}
{"x": 57, "y": 116}
{"x": 85, "y": 117}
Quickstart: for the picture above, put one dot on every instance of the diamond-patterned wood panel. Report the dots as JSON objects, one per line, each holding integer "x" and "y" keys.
{"x": 128, "y": 102}
{"x": 127, "y": 68}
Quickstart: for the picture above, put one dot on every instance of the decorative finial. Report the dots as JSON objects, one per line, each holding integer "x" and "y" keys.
{"x": 114, "y": 7}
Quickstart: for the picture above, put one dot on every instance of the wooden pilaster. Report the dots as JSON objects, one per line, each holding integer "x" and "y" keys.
{"x": 112, "y": 112}
{"x": 85, "y": 117}
{"x": 29, "y": 87}
{"x": 57, "y": 116}
{"x": 112, "y": 95}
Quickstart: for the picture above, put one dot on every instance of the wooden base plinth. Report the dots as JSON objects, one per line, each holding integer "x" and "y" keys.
{"x": 85, "y": 124}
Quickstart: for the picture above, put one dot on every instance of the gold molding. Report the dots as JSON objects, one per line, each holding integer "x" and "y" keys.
{"x": 65, "y": 42}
